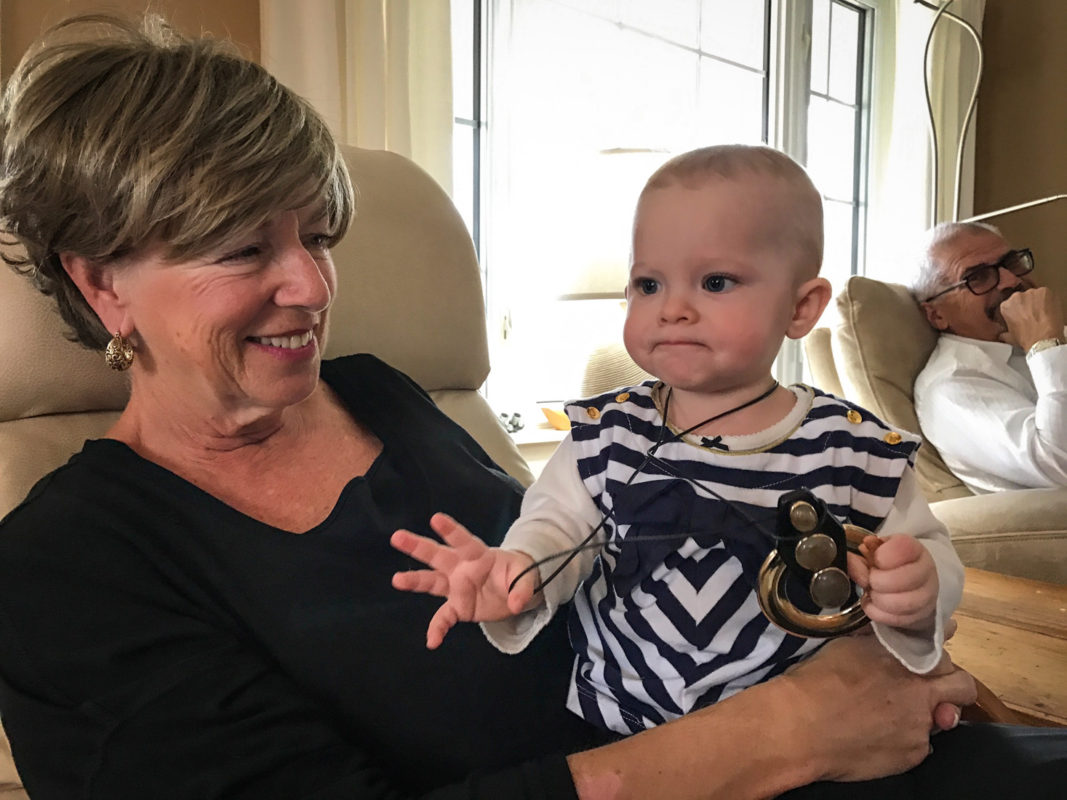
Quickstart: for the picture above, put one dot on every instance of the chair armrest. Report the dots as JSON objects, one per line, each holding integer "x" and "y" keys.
{"x": 1021, "y": 532}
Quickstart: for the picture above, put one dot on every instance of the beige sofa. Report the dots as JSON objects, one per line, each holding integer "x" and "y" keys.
{"x": 409, "y": 291}
{"x": 872, "y": 357}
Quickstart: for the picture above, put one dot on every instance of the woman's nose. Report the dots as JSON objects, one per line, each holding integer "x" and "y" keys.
{"x": 306, "y": 279}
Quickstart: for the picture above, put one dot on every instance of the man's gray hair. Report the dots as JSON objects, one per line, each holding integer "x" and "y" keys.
{"x": 929, "y": 278}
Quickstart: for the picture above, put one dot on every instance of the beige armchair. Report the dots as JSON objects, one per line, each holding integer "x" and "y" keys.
{"x": 409, "y": 292}
{"x": 871, "y": 358}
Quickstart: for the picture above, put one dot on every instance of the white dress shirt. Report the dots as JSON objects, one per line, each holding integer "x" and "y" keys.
{"x": 998, "y": 419}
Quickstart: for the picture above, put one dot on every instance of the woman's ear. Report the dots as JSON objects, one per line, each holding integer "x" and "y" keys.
{"x": 98, "y": 289}
{"x": 811, "y": 299}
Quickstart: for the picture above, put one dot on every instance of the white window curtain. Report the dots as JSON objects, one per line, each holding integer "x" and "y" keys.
{"x": 901, "y": 164}
{"x": 379, "y": 71}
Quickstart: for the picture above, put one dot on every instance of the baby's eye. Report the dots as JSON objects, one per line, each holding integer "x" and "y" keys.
{"x": 718, "y": 283}
{"x": 646, "y": 285}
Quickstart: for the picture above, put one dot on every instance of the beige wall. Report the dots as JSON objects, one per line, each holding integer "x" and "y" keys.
{"x": 21, "y": 21}
{"x": 1021, "y": 138}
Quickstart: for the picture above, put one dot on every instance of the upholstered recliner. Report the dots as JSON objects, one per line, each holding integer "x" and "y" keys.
{"x": 872, "y": 357}
{"x": 409, "y": 291}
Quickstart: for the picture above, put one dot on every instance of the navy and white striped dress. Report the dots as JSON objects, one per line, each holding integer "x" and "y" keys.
{"x": 665, "y": 623}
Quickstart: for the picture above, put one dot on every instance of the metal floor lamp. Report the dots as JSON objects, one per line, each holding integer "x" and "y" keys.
{"x": 944, "y": 13}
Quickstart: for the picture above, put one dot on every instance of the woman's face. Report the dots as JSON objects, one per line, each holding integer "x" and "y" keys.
{"x": 239, "y": 332}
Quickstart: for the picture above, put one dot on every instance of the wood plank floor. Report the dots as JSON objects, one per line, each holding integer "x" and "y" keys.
{"x": 1013, "y": 637}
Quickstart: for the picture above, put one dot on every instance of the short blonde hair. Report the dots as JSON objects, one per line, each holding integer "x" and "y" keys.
{"x": 803, "y": 228}
{"x": 115, "y": 136}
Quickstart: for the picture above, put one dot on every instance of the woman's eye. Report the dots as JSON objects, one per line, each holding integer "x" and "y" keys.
{"x": 646, "y": 285}
{"x": 318, "y": 241}
{"x": 243, "y": 254}
{"x": 718, "y": 283}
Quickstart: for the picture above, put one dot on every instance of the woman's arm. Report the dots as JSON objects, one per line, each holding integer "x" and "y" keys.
{"x": 848, "y": 713}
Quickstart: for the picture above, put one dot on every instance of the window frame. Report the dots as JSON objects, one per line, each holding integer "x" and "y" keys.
{"x": 787, "y": 89}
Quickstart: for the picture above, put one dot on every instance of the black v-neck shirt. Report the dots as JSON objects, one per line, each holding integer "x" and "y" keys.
{"x": 155, "y": 642}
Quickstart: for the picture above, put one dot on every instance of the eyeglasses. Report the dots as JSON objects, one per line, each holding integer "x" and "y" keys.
{"x": 983, "y": 278}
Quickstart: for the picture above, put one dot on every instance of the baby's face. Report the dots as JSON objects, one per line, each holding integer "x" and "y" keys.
{"x": 709, "y": 301}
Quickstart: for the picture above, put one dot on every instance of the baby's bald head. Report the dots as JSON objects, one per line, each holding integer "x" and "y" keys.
{"x": 791, "y": 206}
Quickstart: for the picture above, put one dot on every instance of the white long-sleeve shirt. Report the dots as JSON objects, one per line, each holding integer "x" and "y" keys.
{"x": 998, "y": 419}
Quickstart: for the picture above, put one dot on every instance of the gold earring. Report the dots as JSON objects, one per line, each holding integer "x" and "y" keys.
{"x": 119, "y": 353}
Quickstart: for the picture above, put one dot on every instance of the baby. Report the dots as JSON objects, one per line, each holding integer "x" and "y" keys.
{"x": 676, "y": 481}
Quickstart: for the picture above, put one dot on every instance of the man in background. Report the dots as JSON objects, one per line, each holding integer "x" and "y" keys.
{"x": 993, "y": 396}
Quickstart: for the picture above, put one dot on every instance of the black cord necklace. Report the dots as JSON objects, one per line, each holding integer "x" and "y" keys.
{"x": 649, "y": 455}
{"x": 675, "y": 437}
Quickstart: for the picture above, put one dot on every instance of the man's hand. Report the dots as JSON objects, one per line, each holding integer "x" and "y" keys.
{"x": 471, "y": 576}
{"x": 1031, "y": 316}
{"x": 899, "y": 579}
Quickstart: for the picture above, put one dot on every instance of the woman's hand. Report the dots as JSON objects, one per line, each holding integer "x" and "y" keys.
{"x": 869, "y": 716}
{"x": 473, "y": 578}
{"x": 850, "y": 712}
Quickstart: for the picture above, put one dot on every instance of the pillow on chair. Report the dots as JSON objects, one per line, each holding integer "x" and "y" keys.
{"x": 54, "y": 394}
{"x": 881, "y": 344}
{"x": 819, "y": 353}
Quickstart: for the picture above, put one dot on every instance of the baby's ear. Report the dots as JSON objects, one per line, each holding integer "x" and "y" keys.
{"x": 812, "y": 297}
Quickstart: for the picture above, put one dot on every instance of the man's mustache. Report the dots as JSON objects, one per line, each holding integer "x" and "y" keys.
{"x": 994, "y": 310}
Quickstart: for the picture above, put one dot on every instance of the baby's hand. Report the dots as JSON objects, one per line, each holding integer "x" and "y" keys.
{"x": 471, "y": 576}
{"x": 899, "y": 580}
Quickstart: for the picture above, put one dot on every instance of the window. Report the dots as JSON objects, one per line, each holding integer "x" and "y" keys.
{"x": 467, "y": 104}
{"x": 566, "y": 106}
{"x": 838, "y": 99}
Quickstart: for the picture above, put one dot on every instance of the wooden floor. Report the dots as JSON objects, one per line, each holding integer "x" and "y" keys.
{"x": 1012, "y": 636}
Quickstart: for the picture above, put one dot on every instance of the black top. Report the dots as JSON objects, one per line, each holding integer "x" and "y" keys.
{"x": 154, "y": 642}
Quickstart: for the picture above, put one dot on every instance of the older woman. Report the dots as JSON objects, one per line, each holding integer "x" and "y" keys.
{"x": 198, "y": 605}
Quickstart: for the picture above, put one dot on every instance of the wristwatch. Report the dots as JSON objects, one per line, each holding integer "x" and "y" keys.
{"x": 1044, "y": 344}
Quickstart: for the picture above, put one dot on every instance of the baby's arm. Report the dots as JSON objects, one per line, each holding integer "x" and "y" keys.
{"x": 558, "y": 515}
{"x": 473, "y": 578}
{"x": 913, "y": 581}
